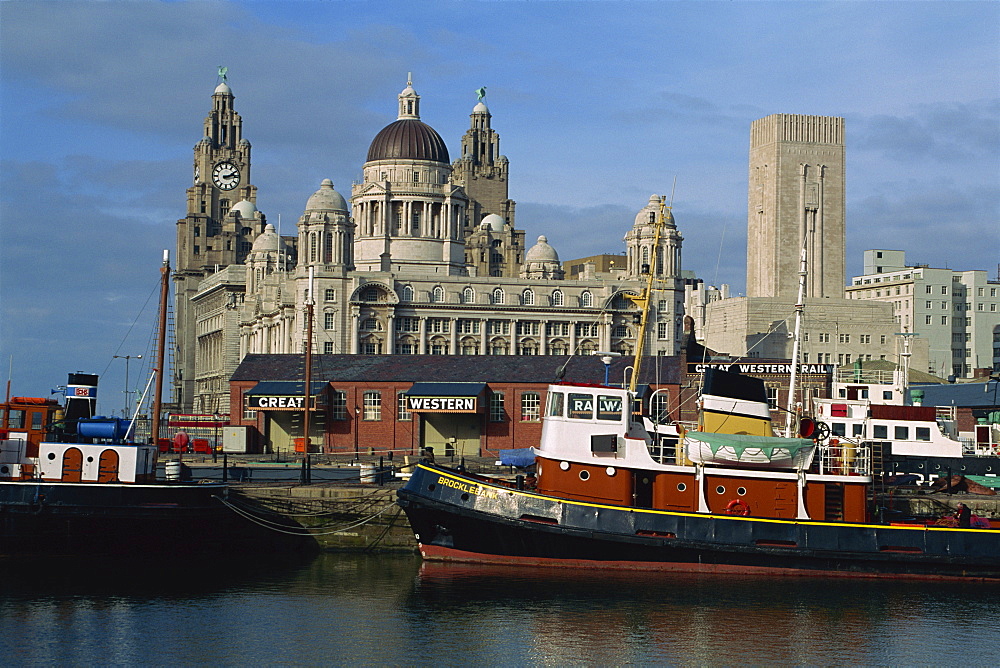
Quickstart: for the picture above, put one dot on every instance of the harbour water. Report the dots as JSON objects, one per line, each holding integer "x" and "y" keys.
{"x": 339, "y": 609}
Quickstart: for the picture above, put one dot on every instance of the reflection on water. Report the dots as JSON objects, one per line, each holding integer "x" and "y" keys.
{"x": 346, "y": 609}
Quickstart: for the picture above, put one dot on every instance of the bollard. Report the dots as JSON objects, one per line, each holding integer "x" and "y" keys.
{"x": 381, "y": 471}
{"x": 225, "y": 467}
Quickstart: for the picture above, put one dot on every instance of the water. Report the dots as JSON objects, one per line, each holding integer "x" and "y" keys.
{"x": 353, "y": 609}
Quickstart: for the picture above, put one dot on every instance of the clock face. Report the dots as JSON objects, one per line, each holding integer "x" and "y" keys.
{"x": 226, "y": 176}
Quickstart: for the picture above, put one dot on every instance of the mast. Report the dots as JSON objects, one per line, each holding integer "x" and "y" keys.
{"x": 161, "y": 343}
{"x": 792, "y": 418}
{"x": 643, "y": 300}
{"x": 308, "y": 363}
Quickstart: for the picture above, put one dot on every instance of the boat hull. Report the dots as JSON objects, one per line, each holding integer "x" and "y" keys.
{"x": 59, "y": 518}
{"x": 459, "y": 517}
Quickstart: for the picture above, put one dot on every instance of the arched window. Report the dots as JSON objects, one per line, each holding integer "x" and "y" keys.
{"x": 587, "y": 299}
{"x": 558, "y": 299}
{"x": 528, "y": 297}
{"x": 498, "y": 296}
{"x": 438, "y": 295}
{"x": 407, "y": 295}
{"x": 468, "y": 296}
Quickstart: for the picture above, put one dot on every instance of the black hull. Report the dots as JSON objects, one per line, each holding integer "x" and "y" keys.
{"x": 462, "y": 518}
{"x": 38, "y": 518}
{"x": 933, "y": 467}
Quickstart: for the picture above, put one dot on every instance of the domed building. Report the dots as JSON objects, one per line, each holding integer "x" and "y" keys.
{"x": 409, "y": 215}
{"x": 423, "y": 258}
{"x": 542, "y": 262}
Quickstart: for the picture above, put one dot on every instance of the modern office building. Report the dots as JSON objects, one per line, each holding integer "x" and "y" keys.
{"x": 956, "y": 314}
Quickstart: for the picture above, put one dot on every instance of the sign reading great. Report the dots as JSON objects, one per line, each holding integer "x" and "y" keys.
{"x": 761, "y": 367}
{"x": 264, "y": 402}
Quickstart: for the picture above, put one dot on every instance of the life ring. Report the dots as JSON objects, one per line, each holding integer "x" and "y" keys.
{"x": 738, "y": 507}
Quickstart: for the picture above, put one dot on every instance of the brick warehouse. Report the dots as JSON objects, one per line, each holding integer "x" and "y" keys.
{"x": 455, "y": 404}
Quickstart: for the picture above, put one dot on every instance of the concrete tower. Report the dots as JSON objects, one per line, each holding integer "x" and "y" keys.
{"x": 796, "y": 197}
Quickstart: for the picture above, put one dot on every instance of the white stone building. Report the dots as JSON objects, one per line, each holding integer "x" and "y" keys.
{"x": 955, "y": 314}
{"x": 407, "y": 268}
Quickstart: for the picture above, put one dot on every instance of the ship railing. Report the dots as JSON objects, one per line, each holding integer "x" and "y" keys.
{"x": 868, "y": 376}
{"x": 846, "y": 457}
{"x": 667, "y": 448}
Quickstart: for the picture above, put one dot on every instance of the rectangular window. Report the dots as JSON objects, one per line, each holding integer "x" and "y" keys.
{"x": 248, "y": 414}
{"x": 772, "y": 397}
{"x": 923, "y": 433}
{"x": 858, "y": 430}
{"x": 927, "y": 319}
{"x": 838, "y": 429}
{"x": 338, "y": 405}
{"x": 880, "y": 432}
{"x": 944, "y": 320}
{"x": 581, "y": 406}
{"x": 902, "y": 433}
{"x": 402, "y": 409}
{"x": 329, "y": 295}
{"x": 661, "y": 330}
{"x": 328, "y": 347}
{"x": 556, "y": 400}
{"x": 531, "y": 403}
{"x": 373, "y": 405}
{"x": 496, "y": 407}
{"x": 609, "y": 408}
{"x": 944, "y": 289}
{"x": 329, "y": 320}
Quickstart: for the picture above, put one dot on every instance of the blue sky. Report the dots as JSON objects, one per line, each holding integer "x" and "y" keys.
{"x": 598, "y": 105}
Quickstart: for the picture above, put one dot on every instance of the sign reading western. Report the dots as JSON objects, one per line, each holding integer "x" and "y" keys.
{"x": 443, "y": 404}
{"x": 266, "y": 402}
{"x": 761, "y": 368}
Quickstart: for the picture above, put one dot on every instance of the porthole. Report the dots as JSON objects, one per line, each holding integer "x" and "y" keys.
{"x": 720, "y": 490}
{"x": 741, "y": 491}
{"x": 430, "y": 487}
{"x": 465, "y": 497}
{"x": 52, "y": 456}
{"x": 564, "y": 466}
{"x": 4, "y": 469}
{"x": 610, "y": 471}
{"x": 584, "y": 475}
{"x": 90, "y": 460}
{"x": 681, "y": 487}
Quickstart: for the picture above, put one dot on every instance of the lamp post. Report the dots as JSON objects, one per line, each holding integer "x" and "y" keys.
{"x": 128, "y": 392}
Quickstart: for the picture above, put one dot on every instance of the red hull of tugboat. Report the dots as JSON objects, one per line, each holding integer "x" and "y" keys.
{"x": 458, "y": 517}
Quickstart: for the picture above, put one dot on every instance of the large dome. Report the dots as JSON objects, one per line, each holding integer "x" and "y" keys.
{"x": 408, "y": 139}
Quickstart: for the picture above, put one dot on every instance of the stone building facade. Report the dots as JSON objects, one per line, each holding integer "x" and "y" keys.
{"x": 796, "y": 202}
{"x": 408, "y": 267}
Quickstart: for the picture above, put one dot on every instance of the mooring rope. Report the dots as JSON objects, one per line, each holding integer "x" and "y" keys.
{"x": 304, "y": 531}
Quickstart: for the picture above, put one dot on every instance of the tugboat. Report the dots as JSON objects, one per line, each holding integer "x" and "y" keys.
{"x": 729, "y": 496}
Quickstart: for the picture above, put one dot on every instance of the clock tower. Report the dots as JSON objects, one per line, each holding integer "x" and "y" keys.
{"x": 221, "y": 224}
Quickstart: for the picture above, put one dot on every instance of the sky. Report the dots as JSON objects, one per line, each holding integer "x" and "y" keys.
{"x": 598, "y": 105}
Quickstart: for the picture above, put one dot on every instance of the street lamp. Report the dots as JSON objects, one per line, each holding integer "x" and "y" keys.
{"x": 128, "y": 392}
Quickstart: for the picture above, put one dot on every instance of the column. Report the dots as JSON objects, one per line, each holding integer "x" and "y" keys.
{"x": 390, "y": 334}
{"x": 355, "y": 316}
{"x": 482, "y": 341}
{"x": 422, "y": 337}
{"x": 453, "y": 328}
